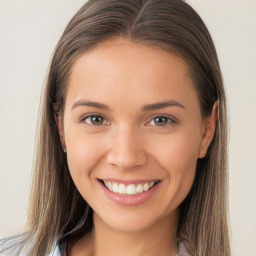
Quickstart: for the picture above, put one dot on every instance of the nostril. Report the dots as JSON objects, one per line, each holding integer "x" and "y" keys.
{"x": 126, "y": 150}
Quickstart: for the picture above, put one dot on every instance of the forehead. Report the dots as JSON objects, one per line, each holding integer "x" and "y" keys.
{"x": 132, "y": 56}
{"x": 119, "y": 68}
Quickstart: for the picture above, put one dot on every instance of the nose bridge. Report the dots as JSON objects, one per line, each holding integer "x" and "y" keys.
{"x": 126, "y": 149}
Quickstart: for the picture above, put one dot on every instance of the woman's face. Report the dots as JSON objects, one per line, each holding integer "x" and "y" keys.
{"x": 132, "y": 121}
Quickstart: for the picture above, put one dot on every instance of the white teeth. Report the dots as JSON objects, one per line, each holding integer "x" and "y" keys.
{"x": 122, "y": 189}
{"x": 145, "y": 187}
{"x": 130, "y": 189}
{"x": 115, "y": 188}
{"x": 139, "y": 188}
{"x": 109, "y": 185}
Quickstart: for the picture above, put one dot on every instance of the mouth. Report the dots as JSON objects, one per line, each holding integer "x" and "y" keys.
{"x": 130, "y": 189}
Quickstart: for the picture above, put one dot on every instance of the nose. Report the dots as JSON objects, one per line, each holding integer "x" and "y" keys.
{"x": 126, "y": 150}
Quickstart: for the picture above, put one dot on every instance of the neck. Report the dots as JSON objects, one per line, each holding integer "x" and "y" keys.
{"x": 159, "y": 239}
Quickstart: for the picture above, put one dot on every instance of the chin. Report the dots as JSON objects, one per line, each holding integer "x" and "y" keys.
{"x": 131, "y": 224}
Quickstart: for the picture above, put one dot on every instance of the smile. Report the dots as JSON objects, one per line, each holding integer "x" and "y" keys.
{"x": 129, "y": 193}
{"x": 129, "y": 189}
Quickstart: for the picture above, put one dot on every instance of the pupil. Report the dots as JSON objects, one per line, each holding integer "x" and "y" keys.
{"x": 161, "y": 120}
{"x": 97, "y": 120}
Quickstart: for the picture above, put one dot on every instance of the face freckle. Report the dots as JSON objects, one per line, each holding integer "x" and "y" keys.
{"x": 150, "y": 130}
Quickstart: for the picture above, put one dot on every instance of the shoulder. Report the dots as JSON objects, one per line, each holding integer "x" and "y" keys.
{"x": 59, "y": 250}
{"x": 21, "y": 244}
{"x": 13, "y": 245}
{"x": 183, "y": 250}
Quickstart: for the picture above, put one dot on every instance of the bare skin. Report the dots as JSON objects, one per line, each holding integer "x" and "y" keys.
{"x": 113, "y": 130}
{"x": 127, "y": 243}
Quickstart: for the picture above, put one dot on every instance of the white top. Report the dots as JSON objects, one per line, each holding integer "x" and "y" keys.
{"x": 56, "y": 252}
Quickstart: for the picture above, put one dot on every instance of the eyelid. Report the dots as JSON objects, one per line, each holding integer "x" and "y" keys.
{"x": 171, "y": 120}
{"x": 84, "y": 117}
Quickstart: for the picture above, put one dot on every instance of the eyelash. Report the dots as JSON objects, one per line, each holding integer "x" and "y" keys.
{"x": 90, "y": 116}
{"x": 170, "y": 121}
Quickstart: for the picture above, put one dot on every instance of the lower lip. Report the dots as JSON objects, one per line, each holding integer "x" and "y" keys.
{"x": 127, "y": 199}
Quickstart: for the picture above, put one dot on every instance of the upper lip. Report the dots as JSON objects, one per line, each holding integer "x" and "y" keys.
{"x": 126, "y": 182}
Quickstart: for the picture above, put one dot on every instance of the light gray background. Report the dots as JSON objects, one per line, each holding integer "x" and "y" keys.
{"x": 29, "y": 31}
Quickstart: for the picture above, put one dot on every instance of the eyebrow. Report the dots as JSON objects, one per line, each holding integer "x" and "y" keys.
{"x": 164, "y": 104}
{"x": 90, "y": 104}
{"x": 153, "y": 106}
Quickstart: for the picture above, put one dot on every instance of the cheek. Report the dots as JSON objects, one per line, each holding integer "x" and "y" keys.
{"x": 84, "y": 152}
{"x": 177, "y": 152}
{"x": 178, "y": 157}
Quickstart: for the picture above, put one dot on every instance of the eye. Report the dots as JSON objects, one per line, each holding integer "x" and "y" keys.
{"x": 161, "y": 121}
{"x": 95, "y": 120}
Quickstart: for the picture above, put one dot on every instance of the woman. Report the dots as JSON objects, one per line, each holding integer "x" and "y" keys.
{"x": 131, "y": 155}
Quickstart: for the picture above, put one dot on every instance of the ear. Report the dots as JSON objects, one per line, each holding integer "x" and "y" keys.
{"x": 60, "y": 124}
{"x": 209, "y": 130}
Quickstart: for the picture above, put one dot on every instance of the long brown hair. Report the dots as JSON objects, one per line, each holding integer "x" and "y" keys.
{"x": 57, "y": 210}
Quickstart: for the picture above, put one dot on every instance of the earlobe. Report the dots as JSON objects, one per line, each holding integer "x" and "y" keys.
{"x": 209, "y": 130}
